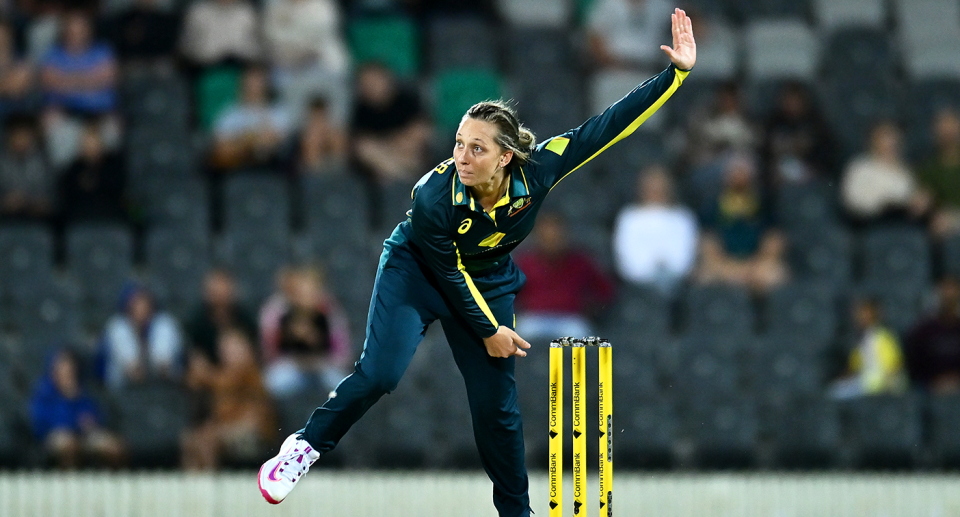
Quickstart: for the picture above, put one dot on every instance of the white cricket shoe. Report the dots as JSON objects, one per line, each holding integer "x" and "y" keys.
{"x": 280, "y": 474}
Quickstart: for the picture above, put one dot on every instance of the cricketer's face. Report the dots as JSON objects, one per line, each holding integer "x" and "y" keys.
{"x": 476, "y": 153}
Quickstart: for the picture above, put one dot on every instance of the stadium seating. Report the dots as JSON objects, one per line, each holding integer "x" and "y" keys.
{"x": 823, "y": 255}
{"x": 100, "y": 259}
{"x": 456, "y": 90}
{"x": 802, "y": 309}
{"x": 781, "y": 48}
{"x": 719, "y": 309}
{"x": 181, "y": 206}
{"x": 944, "y": 419}
{"x": 833, "y": 14}
{"x": 150, "y": 419}
{"x": 536, "y": 13}
{"x": 390, "y": 40}
{"x": 176, "y": 264}
{"x": 26, "y": 253}
{"x": 807, "y": 434}
{"x": 724, "y": 433}
{"x": 883, "y": 432}
{"x": 649, "y": 433}
{"x": 896, "y": 254}
{"x": 461, "y": 43}
{"x": 255, "y": 259}
{"x": 256, "y": 203}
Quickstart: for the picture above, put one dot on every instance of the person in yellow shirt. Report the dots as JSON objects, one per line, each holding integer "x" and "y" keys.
{"x": 876, "y": 364}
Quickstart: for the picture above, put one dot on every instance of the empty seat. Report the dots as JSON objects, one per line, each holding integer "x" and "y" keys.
{"x": 256, "y": 202}
{"x": 255, "y": 260}
{"x": 781, "y": 48}
{"x": 396, "y": 199}
{"x": 944, "y": 438}
{"x": 9, "y": 449}
{"x": 531, "y": 51}
{"x": 156, "y": 152}
{"x": 925, "y": 22}
{"x": 540, "y": 107}
{"x": 883, "y": 431}
{"x": 461, "y": 43}
{"x": 951, "y": 256}
{"x": 718, "y": 309}
{"x": 806, "y": 205}
{"x": 536, "y": 13}
{"x": 852, "y": 106}
{"x": 708, "y": 368}
{"x": 769, "y": 9}
{"x": 335, "y": 209}
{"x": 896, "y": 254}
{"x": 901, "y": 303}
{"x": 647, "y": 433}
{"x": 391, "y": 40}
{"x": 177, "y": 264}
{"x": 639, "y": 312}
{"x": 456, "y": 90}
{"x": 724, "y": 434}
{"x": 156, "y": 99}
{"x": 607, "y": 87}
{"x": 927, "y": 97}
{"x": 783, "y": 367}
{"x": 807, "y": 434}
{"x": 183, "y": 206}
{"x": 46, "y": 311}
{"x": 860, "y": 52}
{"x": 26, "y": 252}
{"x": 718, "y": 57}
{"x": 802, "y": 309}
{"x": 150, "y": 419}
{"x": 100, "y": 258}
{"x": 831, "y": 14}
{"x": 823, "y": 254}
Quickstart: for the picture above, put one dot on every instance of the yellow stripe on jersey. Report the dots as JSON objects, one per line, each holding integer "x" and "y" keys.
{"x": 477, "y": 297}
{"x": 677, "y": 81}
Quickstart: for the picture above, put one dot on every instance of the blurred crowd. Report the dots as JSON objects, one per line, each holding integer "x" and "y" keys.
{"x": 716, "y": 192}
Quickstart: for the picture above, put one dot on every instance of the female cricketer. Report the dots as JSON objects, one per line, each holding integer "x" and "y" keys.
{"x": 450, "y": 261}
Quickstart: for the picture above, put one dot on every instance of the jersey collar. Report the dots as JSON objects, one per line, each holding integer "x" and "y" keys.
{"x": 517, "y": 188}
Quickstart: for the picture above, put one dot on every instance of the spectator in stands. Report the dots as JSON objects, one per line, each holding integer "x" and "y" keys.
{"x": 941, "y": 174}
{"x": 217, "y": 31}
{"x": 241, "y": 419}
{"x": 321, "y": 144}
{"x": 308, "y": 54}
{"x": 713, "y": 136}
{"x": 68, "y": 421}
{"x": 626, "y": 33}
{"x": 93, "y": 187}
{"x": 876, "y": 362}
{"x": 740, "y": 245}
{"x": 797, "y": 145}
{"x": 306, "y": 344}
{"x": 389, "y": 130}
{"x": 655, "y": 239}
{"x": 252, "y": 132}
{"x": 219, "y": 311}
{"x": 564, "y": 288}
{"x": 933, "y": 345}
{"x": 27, "y": 182}
{"x": 879, "y": 186}
{"x": 140, "y": 343}
{"x": 17, "y": 75}
{"x": 79, "y": 75}
{"x": 145, "y": 33}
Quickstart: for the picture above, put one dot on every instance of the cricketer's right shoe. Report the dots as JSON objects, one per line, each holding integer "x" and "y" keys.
{"x": 280, "y": 474}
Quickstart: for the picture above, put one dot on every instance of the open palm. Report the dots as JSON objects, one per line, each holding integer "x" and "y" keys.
{"x": 684, "y": 51}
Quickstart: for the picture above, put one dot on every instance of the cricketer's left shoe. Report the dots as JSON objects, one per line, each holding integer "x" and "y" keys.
{"x": 280, "y": 474}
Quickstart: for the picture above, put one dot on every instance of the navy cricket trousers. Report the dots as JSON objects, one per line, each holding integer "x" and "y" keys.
{"x": 405, "y": 301}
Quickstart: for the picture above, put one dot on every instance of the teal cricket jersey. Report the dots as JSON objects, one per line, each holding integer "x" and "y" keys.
{"x": 448, "y": 231}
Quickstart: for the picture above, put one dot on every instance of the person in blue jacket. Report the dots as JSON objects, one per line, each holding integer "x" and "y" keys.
{"x": 67, "y": 420}
{"x": 450, "y": 261}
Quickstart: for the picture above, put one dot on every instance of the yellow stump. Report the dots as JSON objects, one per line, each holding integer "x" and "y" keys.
{"x": 556, "y": 430}
{"x": 605, "y": 401}
{"x": 579, "y": 429}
